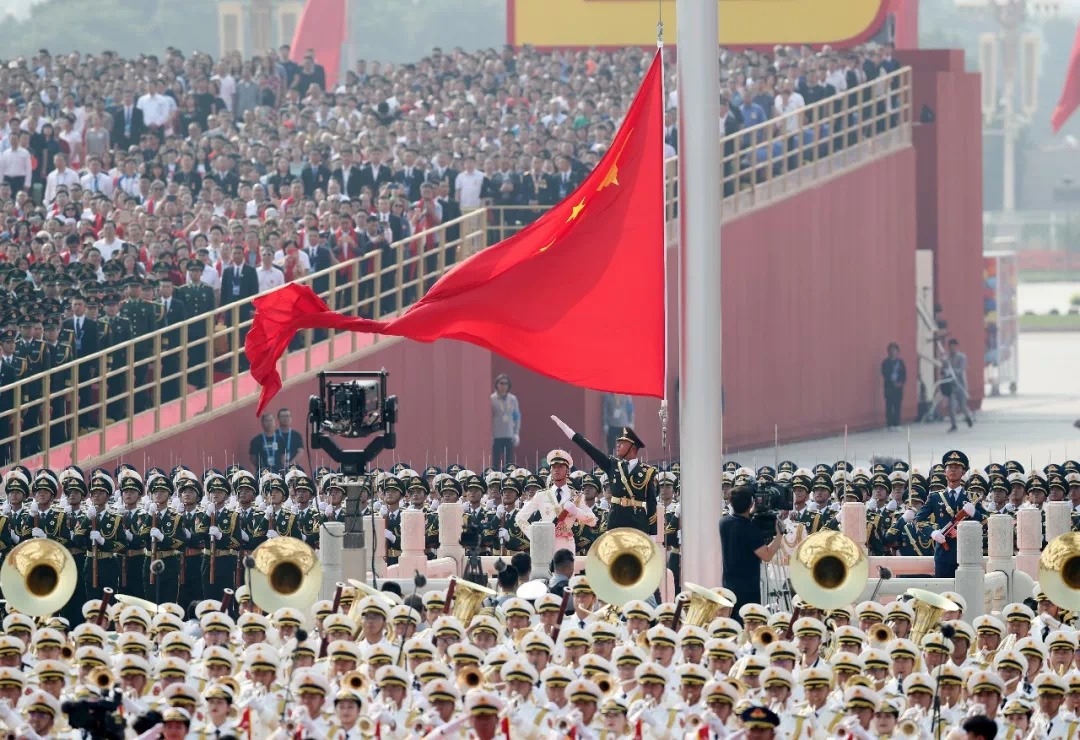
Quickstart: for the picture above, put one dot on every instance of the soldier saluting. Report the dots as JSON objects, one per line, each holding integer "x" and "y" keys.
{"x": 633, "y": 483}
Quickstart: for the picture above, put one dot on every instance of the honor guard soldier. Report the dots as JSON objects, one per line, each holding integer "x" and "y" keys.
{"x": 193, "y": 528}
{"x": 584, "y": 534}
{"x": 633, "y": 483}
{"x": 943, "y": 507}
{"x": 99, "y": 532}
{"x": 280, "y": 521}
{"x": 252, "y": 523}
{"x": 35, "y": 359}
{"x": 223, "y": 540}
{"x": 19, "y": 519}
{"x": 476, "y": 533}
{"x": 308, "y": 516}
{"x": 133, "y": 559}
{"x": 393, "y": 490}
{"x": 449, "y": 491}
{"x": 907, "y": 536}
{"x": 672, "y": 532}
{"x": 118, "y": 329}
{"x": 508, "y": 532}
{"x": 164, "y": 542}
{"x": 818, "y": 515}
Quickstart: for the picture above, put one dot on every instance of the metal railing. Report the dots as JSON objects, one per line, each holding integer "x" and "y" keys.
{"x": 143, "y": 389}
{"x": 134, "y": 384}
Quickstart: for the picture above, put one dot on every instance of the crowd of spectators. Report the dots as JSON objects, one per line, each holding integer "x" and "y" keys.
{"x": 119, "y": 175}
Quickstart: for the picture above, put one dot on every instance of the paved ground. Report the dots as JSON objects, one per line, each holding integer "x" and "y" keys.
{"x": 1035, "y": 425}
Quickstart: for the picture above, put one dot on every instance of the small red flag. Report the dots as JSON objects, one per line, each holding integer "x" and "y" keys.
{"x": 322, "y": 29}
{"x": 1070, "y": 94}
{"x": 578, "y": 295}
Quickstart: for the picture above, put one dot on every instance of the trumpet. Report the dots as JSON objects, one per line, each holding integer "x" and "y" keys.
{"x": 100, "y": 678}
{"x": 605, "y": 684}
{"x": 470, "y": 678}
{"x": 908, "y": 728}
{"x": 763, "y": 637}
{"x": 355, "y": 680}
{"x": 881, "y": 633}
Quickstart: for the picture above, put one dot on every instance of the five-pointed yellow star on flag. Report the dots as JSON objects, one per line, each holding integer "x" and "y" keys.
{"x": 577, "y": 209}
{"x": 611, "y": 177}
{"x": 548, "y": 246}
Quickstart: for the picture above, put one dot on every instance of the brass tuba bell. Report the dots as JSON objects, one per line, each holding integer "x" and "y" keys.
{"x": 702, "y": 605}
{"x": 763, "y": 637}
{"x": 468, "y": 598}
{"x": 624, "y": 564}
{"x": 100, "y": 678}
{"x": 829, "y": 569}
{"x": 880, "y": 634}
{"x": 1059, "y": 571}
{"x": 38, "y": 577}
{"x": 928, "y": 607}
{"x": 470, "y": 677}
{"x": 287, "y": 572}
{"x": 355, "y": 681}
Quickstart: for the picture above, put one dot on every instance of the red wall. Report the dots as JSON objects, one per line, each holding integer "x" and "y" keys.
{"x": 442, "y": 390}
{"x": 949, "y": 176}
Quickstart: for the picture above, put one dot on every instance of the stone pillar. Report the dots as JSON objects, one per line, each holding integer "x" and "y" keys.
{"x": 331, "y": 550}
{"x": 1029, "y": 540}
{"x": 970, "y": 575}
{"x": 853, "y": 522}
{"x": 1000, "y": 544}
{"x": 450, "y": 526}
{"x": 1058, "y": 518}
{"x": 378, "y": 540}
{"x": 413, "y": 558}
{"x": 541, "y": 548}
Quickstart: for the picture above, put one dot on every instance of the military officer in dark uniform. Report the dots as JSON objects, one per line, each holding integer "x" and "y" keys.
{"x": 75, "y": 488}
{"x": 144, "y": 318}
{"x": 13, "y": 367}
{"x": 35, "y": 360}
{"x": 910, "y": 537}
{"x": 117, "y": 330}
{"x": 223, "y": 539}
{"x": 449, "y": 491}
{"x": 133, "y": 559}
{"x": 584, "y": 535}
{"x": 195, "y": 524}
{"x": 633, "y": 483}
{"x": 164, "y": 542}
{"x": 944, "y": 506}
{"x": 171, "y": 310}
{"x": 252, "y": 523}
{"x": 393, "y": 490}
{"x": 279, "y": 520}
{"x": 199, "y": 299}
{"x": 98, "y": 531}
{"x": 508, "y": 534}
{"x": 478, "y": 533}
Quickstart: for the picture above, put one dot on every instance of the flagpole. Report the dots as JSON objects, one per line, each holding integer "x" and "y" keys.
{"x": 701, "y": 434}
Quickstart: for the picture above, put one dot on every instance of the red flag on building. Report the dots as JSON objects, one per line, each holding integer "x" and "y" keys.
{"x": 321, "y": 29}
{"x": 577, "y": 296}
{"x": 1070, "y": 95}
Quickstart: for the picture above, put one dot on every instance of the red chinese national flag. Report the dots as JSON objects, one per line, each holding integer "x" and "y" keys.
{"x": 1070, "y": 94}
{"x": 577, "y": 296}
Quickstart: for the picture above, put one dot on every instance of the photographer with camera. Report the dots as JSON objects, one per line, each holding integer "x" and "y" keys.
{"x": 742, "y": 541}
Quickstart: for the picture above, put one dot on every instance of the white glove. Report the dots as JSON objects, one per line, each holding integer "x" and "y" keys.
{"x": 215, "y": 533}
{"x": 91, "y": 511}
{"x": 157, "y": 534}
{"x": 152, "y": 508}
{"x": 569, "y": 507}
{"x": 500, "y": 510}
{"x": 892, "y": 505}
{"x": 391, "y": 537}
{"x": 605, "y": 504}
{"x": 187, "y": 533}
{"x": 244, "y": 535}
{"x": 15, "y": 538}
{"x": 517, "y": 440}
{"x": 835, "y": 506}
{"x": 39, "y": 533}
{"x": 271, "y": 534}
{"x": 98, "y": 537}
{"x": 909, "y": 516}
{"x": 680, "y": 536}
{"x": 67, "y": 507}
{"x": 386, "y": 719}
{"x": 435, "y": 504}
{"x": 565, "y": 429}
{"x": 504, "y": 535}
{"x": 467, "y": 507}
{"x": 937, "y": 536}
{"x": 5, "y": 509}
{"x": 969, "y": 508}
{"x": 812, "y": 506}
{"x": 34, "y": 508}
{"x": 127, "y": 533}
{"x": 325, "y": 509}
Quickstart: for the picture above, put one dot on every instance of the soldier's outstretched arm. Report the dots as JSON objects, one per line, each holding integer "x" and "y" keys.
{"x": 598, "y": 456}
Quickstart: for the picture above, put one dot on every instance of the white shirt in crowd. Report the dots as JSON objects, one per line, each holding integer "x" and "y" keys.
{"x": 795, "y": 101}
{"x": 155, "y": 108}
{"x": 99, "y": 183}
{"x": 108, "y": 250}
{"x": 468, "y": 187}
{"x": 301, "y": 255}
{"x": 210, "y": 277}
{"x": 16, "y": 163}
{"x": 57, "y": 178}
{"x": 269, "y": 278}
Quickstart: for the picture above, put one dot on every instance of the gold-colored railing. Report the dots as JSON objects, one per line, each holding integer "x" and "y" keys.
{"x": 128, "y": 384}
{"x": 112, "y": 393}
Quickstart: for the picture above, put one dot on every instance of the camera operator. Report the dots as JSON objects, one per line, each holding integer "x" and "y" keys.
{"x": 742, "y": 541}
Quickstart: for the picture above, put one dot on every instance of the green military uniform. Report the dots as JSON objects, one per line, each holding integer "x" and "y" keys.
{"x": 194, "y": 527}
{"x": 20, "y": 524}
{"x": 165, "y": 586}
{"x": 910, "y": 538}
{"x": 633, "y": 490}
{"x": 253, "y": 524}
{"x": 479, "y": 531}
{"x": 199, "y": 299}
{"x": 671, "y": 541}
{"x": 308, "y": 521}
{"x": 35, "y": 360}
{"x": 585, "y": 536}
{"x": 393, "y": 525}
{"x": 283, "y": 522}
{"x": 118, "y": 329}
{"x": 144, "y": 317}
{"x": 816, "y": 521}
{"x": 107, "y": 557}
{"x": 224, "y": 552}
{"x": 134, "y": 558}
